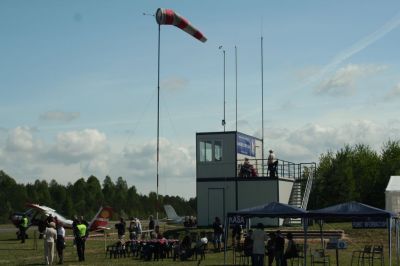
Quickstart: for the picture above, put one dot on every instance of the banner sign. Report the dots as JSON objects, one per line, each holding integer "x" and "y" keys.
{"x": 237, "y": 220}
{"x": 246, "y": 145}
{"x": 369, "y": 223}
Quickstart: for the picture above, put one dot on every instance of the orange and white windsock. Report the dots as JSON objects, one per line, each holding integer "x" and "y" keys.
{"x": 169, "y": 17}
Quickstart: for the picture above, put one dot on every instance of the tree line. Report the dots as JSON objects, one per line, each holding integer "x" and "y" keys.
{"x": 84, "y": 197}
{"x": 355, "y": 173}
{"x": 352, "y": 173}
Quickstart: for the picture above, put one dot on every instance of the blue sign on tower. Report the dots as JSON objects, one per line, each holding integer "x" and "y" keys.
{"x": 246, "y": 145}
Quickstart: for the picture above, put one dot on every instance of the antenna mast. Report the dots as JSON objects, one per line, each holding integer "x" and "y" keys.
{"x": 262, "y": 104}
{"x": 236, "y": 86}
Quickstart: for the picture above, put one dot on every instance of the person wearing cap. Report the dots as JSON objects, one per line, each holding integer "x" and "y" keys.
{"x": 49, "y": 236}
{"x": 272, "y": 163}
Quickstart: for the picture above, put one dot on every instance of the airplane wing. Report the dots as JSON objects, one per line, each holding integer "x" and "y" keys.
{"x": 44, "y": 209}
{"x": 47, "y": 211}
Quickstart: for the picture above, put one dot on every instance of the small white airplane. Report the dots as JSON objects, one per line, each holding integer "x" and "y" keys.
{"x": 38, "y": 214}
{"x": 172, "y": 217}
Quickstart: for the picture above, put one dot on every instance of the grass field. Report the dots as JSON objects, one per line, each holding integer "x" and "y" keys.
{"x": 12, "y": 252}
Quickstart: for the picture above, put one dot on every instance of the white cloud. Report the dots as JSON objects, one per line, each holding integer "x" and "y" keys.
{"x": 20, "y": 139}
{"x": 343, "y": 82}
{"x": 99, "y": 166}
{"x": 75, "y": 146}
{"x": 59, "y": 116}
{"x": 75, "y": 154}
{"x": 393, "y": 94}
{"x": 175, "y": 160}
{"x": 311, "y": 140}
{"x": 174, "y": 83}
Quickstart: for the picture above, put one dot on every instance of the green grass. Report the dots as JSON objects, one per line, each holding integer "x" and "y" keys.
{"x": 12, "y": 252}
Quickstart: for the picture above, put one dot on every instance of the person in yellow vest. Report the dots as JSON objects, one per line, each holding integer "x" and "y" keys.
{"x": 23, "y": 226}
{"x": 80, "y": 232}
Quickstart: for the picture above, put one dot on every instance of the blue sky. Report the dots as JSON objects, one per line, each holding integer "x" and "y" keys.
{"x": 78, "y": 84}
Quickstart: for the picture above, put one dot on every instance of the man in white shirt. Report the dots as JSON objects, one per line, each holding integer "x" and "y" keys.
{"x": 272, "y": 163}
{"x": 49, "y": 236}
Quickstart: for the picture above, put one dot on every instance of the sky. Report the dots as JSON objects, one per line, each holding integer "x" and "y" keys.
{"x": 78, "y": 84}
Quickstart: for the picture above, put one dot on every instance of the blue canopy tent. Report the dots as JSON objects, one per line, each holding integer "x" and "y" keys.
{"x": 270, "y": 210}
{"x": 355, "y": 209}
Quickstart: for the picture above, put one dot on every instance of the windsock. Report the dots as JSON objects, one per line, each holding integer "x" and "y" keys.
{"x": 169, "y": 17}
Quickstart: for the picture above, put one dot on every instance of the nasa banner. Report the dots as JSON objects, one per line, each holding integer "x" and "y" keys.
{"x": 237, "y": 220}
{"x": 246, "y": 145}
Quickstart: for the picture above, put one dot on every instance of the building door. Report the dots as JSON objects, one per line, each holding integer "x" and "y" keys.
{"x": 216, "y": 204}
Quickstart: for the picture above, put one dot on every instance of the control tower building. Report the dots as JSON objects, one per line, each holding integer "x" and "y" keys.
{"x": 221, "y": 188}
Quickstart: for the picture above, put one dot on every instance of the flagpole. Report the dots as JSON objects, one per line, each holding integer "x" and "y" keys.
{"x": 158, "y": 116}
{"x": 169, "y": 17}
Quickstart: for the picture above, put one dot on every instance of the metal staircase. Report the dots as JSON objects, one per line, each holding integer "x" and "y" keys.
{"x": 301, "y": 190}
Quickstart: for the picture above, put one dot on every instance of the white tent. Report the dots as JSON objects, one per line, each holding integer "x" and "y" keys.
{"x": 392, "y": 195}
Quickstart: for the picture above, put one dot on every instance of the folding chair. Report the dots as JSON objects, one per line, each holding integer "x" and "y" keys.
{"x": 300, "y": 255}
{"x": 377, "y": 254}
{"x": 362, "y": 255}
{"x": 319, "y": 256}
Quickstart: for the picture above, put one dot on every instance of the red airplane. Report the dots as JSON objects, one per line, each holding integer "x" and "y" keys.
{"x": 38, "y": 214}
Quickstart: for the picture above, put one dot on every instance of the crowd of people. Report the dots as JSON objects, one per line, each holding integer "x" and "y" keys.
{"x": 52, "y": 232}
{"x": 257, "y": 243}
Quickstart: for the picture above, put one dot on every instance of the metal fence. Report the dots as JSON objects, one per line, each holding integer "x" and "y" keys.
{"x": 284, "y": 169}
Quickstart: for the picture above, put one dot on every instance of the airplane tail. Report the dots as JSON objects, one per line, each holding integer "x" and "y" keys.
{"x": 100, "y": 220}
{"x": 170, "y": 211}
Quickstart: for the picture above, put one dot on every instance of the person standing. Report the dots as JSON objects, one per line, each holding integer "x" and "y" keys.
{"x": 80, "y": 233}
{"x": 49, "y": 236}
{"x": 132, "y": 229}
{"x": 60, "y": 244}
{"x": 218, "y": 231}
{"x": 138, "y": 228}
{"x": 271, "y": 248}
{"x": 291, "y": 249}
{"x": 23, "y": 226}
{"x": 272, "y": 163}
{"x": 279, "y": 249}
{"x": 121, "y": 227}
{"x": 236, "y": 234}
{"x": 151, "y": 223}
{"x": 259, "y": 237}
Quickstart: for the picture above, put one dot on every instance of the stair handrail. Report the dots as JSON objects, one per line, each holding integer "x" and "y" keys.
{"x": 308, "y": 187}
